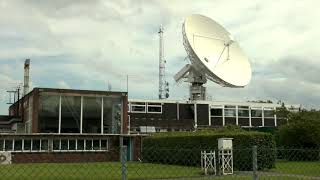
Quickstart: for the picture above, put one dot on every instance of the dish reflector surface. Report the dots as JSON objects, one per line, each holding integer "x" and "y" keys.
{"x": 214, "y": 53}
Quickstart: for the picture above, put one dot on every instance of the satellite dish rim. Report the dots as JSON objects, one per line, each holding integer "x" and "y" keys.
{"x": 223, "y": 74}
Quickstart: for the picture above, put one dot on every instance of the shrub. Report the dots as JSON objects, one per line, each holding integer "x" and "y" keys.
{"x": 301, "y": 135}
{"x": 184, "y": 147}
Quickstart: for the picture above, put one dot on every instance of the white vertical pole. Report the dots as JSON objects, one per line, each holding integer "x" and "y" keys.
{"x": 262, "y": 114}
{"x": 237, "y": 115}
{"x": 59, "y": 131}
{"x": 178, "y": 116}
{"x": 122, "y": 118}
{"x": 223, "y": 118}
{"x": 250, "y": 124}
{"x": 209, "y": 108}
{"x": 129, "y": 124}
{"x": 81, "y": 114}
{"x": 102, "y": 115}
{"x": 275, "y": 118}
{"x": 195, "y": 116}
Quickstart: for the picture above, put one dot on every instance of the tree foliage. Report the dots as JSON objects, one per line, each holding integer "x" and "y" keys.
{"x": 302, "y": 130}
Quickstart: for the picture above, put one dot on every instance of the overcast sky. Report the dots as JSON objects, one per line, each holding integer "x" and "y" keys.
{"x": 86, "y": 44}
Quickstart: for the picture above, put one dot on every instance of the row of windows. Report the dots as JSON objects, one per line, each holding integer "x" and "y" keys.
{"x": 242, "y": 112}
{"x": 44, "y": 145}
{"x": 142, "y": 107}
{"x": 79, "y": 114}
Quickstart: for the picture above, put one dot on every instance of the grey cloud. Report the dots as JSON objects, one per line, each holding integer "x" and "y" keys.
{"x": 84, "y": 44}
{"x": 298, "y": 68}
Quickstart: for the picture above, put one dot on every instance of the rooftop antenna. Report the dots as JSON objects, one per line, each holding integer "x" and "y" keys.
{"x": 14, "y": 94}
{"x": 163, "y": 84}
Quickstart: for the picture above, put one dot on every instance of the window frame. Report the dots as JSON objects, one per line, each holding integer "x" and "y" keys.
{"x": 138, "y": 104}
{"x": 156, "y": 105}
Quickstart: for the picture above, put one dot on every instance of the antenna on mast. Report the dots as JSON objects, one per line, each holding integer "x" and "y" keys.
{"x": 163, "y": 84}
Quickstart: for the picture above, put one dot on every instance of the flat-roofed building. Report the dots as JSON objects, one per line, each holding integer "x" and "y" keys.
{"x": 68, "y": 125}
{"x": 47, "y": 110}
{"x": 170, "y": 115}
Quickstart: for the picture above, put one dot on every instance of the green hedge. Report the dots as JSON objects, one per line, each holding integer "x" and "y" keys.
{"x": 183, "y": 148}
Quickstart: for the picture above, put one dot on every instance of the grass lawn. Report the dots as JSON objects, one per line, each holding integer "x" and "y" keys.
{"x": 300, "y": 168}
{"x": 136, "y": 170}
{"x": 109, "y": 170}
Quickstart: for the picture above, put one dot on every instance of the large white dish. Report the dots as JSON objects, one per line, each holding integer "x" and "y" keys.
{"x": 204, "y": 41}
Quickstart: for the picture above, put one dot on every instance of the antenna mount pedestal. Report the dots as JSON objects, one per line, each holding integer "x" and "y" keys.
{"x": 197, "y": 90}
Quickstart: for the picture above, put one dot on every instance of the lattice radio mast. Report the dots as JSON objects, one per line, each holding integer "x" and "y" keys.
{"x": 163, "y": 84}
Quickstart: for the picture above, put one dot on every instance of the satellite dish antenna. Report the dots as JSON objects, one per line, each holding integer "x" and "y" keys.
{"x": 214, "y": 55}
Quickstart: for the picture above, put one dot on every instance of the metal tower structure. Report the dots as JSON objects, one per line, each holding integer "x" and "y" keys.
{"x": 26, "y": 77}
{"x": 163, "y": 84}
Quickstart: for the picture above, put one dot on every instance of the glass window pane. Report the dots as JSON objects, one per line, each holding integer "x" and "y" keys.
{"x": 91, "y": 115}
{"x": 27, "y": 145}
{"x": 243, "y": 113}
{"x": 112, "y": 110}
{"x": 18, "y": 144}
{"x": 230, "y": 112}
{"x": 70, "y": 114}
{"x": 256, "y": 121}
{"x": 138, "y": 103}
{"x": 230, "y": 121}
{"x": 88, "y": 144}
{"x": 96, "y": 144}
{"x": 64, "y": 144}
{"x": 9, "y": 143}
{"x": 72, "y": 144}
{"x": 1, "y": 145}
{"x": 44, "y": 145}
{"x": 268, "y": 113}
{"x": 269, "y": 122}
{"x": 243, "y": 107}
{"x": 216, "y": 121}
{"x": 154, "y": 109}
{"x": 229, "y": 106}
{"x": 104, "y": 144}
{"x": 156, "y": 104}
{"x": 243, "y": 122}
{"x": 216, "y": 112}
{"x": 138, "y": 108}
{"x": 80, "y": 144}
{"x": 48, "y": 113}
{"x": 35, "y": 144}
{"x": 56, "y": 144}
{"x": 256, "y": 113}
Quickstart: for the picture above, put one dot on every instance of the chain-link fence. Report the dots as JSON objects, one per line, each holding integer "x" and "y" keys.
{"x": 156, "y": 163}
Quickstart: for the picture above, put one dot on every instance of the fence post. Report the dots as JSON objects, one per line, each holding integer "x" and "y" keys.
{"x": 123, "y": 162}
{"x": 255, "y": 163}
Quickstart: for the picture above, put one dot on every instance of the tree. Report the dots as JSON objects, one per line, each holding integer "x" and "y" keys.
{"x": 282, "y": 115}
{"x": 302, "y": 131}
